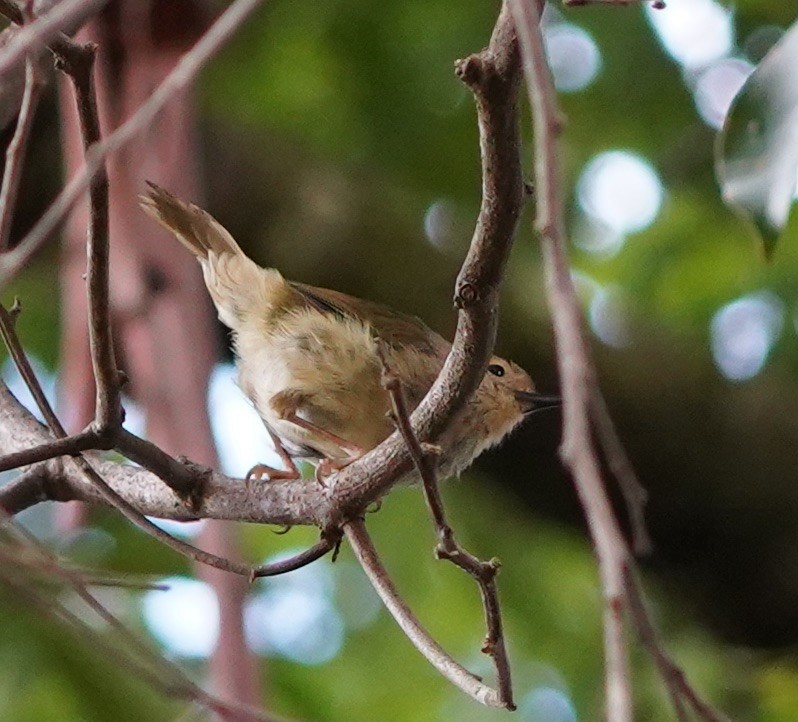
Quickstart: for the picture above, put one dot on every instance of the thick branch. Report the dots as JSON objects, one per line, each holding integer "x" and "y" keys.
{"x": 280, "y": 503}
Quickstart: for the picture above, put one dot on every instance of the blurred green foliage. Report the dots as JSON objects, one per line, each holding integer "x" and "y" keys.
{"x": 330, "y": 129}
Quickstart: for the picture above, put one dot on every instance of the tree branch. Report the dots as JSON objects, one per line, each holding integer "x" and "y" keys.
{"x": 67, "y": 15}
{"x": 484, "y": 573}
{"x": 15, "y": 153}
{"x": 582, "y": 400}
{"x": 458, "y": 675}
{"x": 183, "y": 74}
{"x": 108, "y": 411}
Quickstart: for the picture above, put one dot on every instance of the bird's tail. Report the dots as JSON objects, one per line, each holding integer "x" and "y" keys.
{"x": 238, "y": 286}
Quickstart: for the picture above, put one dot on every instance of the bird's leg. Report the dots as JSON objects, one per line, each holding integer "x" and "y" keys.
{"x": 286, "y": 404}
{"x": 353, "y": 450}
{"x": 327, "y": 466}
{"x": 269, "y": 473}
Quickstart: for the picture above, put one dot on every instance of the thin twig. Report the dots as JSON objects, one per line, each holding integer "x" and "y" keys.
{"x": 66, "y": 15}
{"x": 183, "y": 74}
{"x": 621, "y": 467}
{"x": 674, "y": 678}
{"x": 326, "y": 544}
{"x": 108, "y": 411}
{"x": 15, "y": 153}
{"x": 68, "y": 445}
{"x": 458, "y": 675}
{"x": 111, "y": 497}
{"x": 578, "y": 378}
{"x": 484, "y": 573}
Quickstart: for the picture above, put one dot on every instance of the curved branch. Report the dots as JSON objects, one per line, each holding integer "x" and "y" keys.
{"x": 326, "y": 544}
{"x": 458, "y": 675}
{"x": 493, "y": 76}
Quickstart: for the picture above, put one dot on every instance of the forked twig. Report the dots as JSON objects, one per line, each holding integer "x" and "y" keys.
{"x": 484, "y": 573}
{"x": 369, "y": 559}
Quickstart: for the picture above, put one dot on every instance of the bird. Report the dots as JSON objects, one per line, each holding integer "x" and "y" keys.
{"x": 311, "y": 360}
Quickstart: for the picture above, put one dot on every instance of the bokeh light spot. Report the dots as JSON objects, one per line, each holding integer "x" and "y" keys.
{"x": 294, "y": 616}
{"x": 184, "y": 618}
{"x": 547, "y": 704}
{"x": 693, "y": 32}
{"x": 716, "y": 88}
{"x": 608, "y": 318}
{"x": 743, "y": 333}
{"x": 621, "y": 190}
{"x": 573, "y": 55}
{"x": 439, "y": 224}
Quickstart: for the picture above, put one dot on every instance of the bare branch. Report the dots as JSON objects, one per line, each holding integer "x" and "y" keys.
{"x": 15, "y": 153}
{"x": 280, "y": 503}
{"x": 186, "y": 479}
{"x": 458, "y": 675}
{"x": 577, "y": 449}
{"x": 107, "y": 418}
{"x": 26, "y": 490}
{"x": 484, "y": 573}
{"x": 67, "y": 15}
{"x": 68, "y": 445}
{"x": 633, "y": 491}
{"x": 326, "y": 544}
{"x": 581, "y": 395}
{"x": 182, "y": 75}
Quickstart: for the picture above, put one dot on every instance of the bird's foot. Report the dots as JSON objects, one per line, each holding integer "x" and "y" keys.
{"x": 328, "y": 467}
{"x": 261, "y": 472}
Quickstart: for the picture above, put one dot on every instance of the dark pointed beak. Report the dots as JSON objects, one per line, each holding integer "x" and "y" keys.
{"x": 533, "y": 401}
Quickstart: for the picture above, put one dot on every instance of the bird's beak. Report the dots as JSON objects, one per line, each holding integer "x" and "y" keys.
{"x": 533, "y": 401}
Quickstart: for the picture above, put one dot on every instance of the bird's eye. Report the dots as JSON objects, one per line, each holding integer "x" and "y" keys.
{"x": 496, "y": 369}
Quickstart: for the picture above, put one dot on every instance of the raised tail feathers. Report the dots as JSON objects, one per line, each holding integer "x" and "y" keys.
{"x": 241, "y": 290}
{"x": 195, "y": 228}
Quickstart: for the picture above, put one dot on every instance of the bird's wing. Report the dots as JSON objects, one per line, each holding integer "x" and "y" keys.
{"x": 395, "y": 329}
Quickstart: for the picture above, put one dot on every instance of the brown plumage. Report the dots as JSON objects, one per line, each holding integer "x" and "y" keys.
{"x": 307, "y": 357}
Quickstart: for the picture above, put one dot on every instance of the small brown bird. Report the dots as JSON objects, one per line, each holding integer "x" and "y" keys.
{"x": 308, "y": 358}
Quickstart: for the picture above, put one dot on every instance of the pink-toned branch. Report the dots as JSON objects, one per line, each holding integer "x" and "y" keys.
{"x": 583, "y": 405}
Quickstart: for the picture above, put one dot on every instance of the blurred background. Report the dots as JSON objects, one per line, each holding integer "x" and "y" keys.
{"x": 336, "y": 144}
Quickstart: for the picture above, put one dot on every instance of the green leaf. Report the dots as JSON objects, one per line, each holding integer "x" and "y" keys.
{"x": 756, "y": 157}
